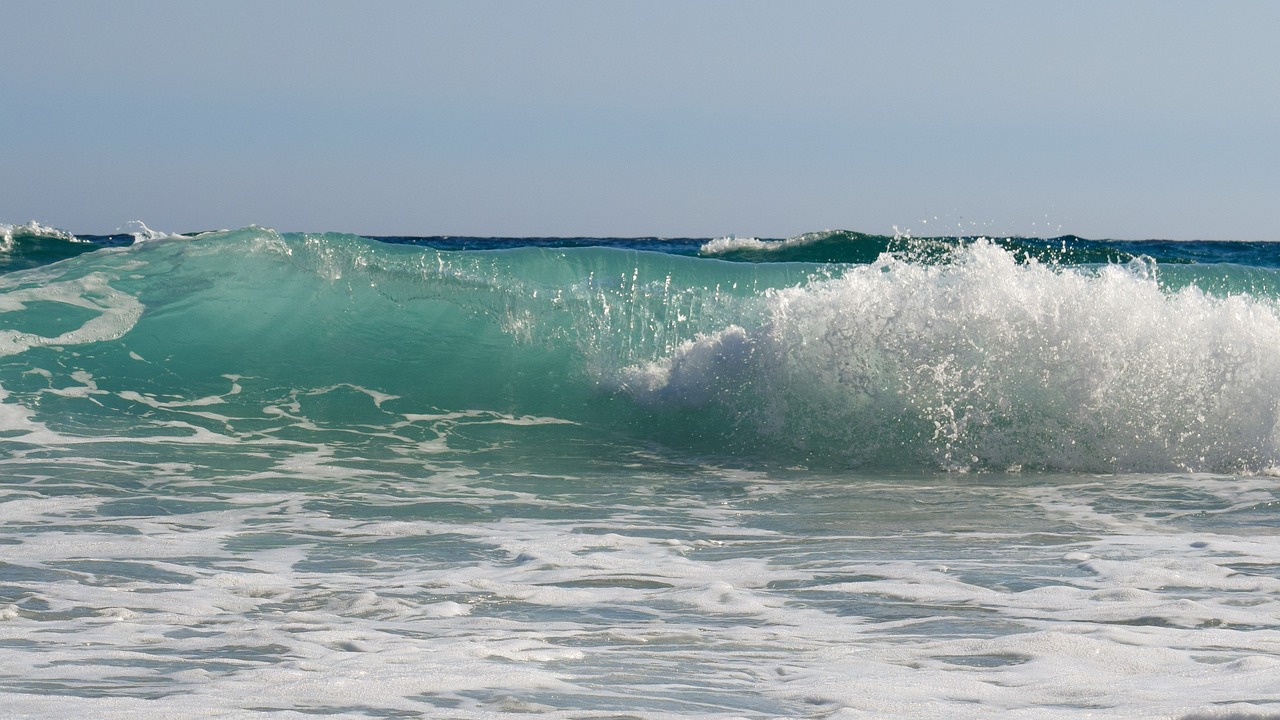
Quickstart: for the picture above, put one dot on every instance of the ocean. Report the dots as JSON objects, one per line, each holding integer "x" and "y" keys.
{"x": 253, "y": 474}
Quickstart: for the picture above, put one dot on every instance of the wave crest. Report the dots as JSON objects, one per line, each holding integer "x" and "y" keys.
{"x": 9, "y": 234}
{"x": 986, "y": 362}
{"x": 822, "y": 247}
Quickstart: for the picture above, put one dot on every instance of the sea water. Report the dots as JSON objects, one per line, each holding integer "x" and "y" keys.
{"x": 247, "y": 474}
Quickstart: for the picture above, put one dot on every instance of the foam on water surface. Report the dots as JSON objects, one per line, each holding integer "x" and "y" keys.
{"x": 993, "y": 363}
{"x": 694, "y": 591}
{"x": 260, "y": 475}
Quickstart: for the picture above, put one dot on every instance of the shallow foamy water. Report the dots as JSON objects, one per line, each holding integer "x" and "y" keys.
{"x": 315, "y": 586}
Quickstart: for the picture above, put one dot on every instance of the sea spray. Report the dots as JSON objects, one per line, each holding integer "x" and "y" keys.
{"x": 989, "y": 363}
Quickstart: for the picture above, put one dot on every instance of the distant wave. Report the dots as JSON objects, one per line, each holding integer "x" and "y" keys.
{"x": 31, "y": 230}
{"x": 31, "y": 244}
{"x": 845, "y": 246}
{"x": 824, "y": 246}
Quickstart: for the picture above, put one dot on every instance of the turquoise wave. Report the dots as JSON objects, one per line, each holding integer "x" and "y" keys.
{"x": 968, "y": 356}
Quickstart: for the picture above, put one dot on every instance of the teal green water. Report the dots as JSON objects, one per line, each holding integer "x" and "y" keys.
{"x": 979, "y": 361}
{"x": 252, "y": 474}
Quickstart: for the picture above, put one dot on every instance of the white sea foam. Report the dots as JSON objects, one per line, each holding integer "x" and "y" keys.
{"x": 732, "y": 242}
{"x": 117, "y": 312}
{"x": 142, "y": 233}
{"x": 249, "y": 546}
{"x": 990, "y": 363}
{"x": 681, "y": 606}
{"x": 725, "y": 245}
{"x": 32, "y": 229}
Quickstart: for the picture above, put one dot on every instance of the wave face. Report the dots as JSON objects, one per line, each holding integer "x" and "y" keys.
{"x": 969, "y": 354}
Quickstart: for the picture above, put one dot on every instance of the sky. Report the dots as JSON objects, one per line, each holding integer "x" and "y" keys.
{"x": 701, "y": 118}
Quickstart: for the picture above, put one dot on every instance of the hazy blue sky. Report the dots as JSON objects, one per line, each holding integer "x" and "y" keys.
{"x": 1104, "y": 119}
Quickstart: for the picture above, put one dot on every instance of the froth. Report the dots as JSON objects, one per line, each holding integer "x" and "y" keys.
{"x": 985, "y": 362}
{"x": 30, "y": 229}
{"x": 117, "y": 312}
{"x": 730, "y": 243}
{"x": 142, "y": 233}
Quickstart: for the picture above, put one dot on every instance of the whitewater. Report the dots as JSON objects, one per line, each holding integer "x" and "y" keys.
{"x": 254, "y": 474}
